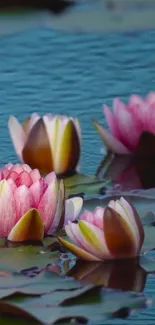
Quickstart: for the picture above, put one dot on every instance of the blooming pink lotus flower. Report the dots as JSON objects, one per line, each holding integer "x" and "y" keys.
{"x": 49, "y": 143}
{"x": 127, "y": 124}
{"x": 114, "y": 232}
{"x": 31, "y": 205}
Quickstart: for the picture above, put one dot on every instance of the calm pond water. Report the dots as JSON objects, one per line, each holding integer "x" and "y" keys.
{"x": 69, "y": 74}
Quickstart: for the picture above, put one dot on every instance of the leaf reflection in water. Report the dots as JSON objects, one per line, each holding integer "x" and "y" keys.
{"x": 127, "y": 172}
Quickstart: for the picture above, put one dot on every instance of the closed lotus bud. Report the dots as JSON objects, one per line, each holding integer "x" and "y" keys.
{"x": 114, "y": 232}
{"x": 48, "y": 143}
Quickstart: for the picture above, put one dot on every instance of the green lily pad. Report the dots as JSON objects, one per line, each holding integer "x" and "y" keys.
{"x": 25, "y": 257}
{"x": 84, "y": 185}
{"x": 43, "y": 283}
{"x": 49, "y": 309}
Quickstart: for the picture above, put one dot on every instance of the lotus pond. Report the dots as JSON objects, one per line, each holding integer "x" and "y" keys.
{"x": 54, "y": 72}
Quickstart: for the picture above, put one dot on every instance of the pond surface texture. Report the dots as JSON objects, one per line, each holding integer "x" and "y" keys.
{"x": 44, "y": 71}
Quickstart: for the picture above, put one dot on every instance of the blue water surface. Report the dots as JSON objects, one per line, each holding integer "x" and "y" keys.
{"x": 44, "y": 71}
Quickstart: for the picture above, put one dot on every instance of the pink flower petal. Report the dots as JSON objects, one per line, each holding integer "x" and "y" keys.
{"x": 48, "y": 204}
{"x": 24, "y": 178}
{"x": 95, "y": 218}
{"x": 35, "y": 175}
{"x": 17, "y": 134}
{"x": 7, "y": 209}
{"x": 113, "y": 144}
{"x": 98, "y": 217}
{"x": 150, "y": 99}
{"x": 17, "y": 168}
{"x": 58, "y": 221}
{"x": 12, "y": 175}
{"x": 88, "y": 216}
{"x": 26, "y": 167}
{"x": 5, "y": 172}
{"x": 9, "y": 166}
{"x": 112, "y": 121}
{"x": 140, "y": 111}
{"x": 23, "y": 200}
{"x": 37, "y": 190}
{"x": 51, "y": 177}
{"x": 129, "y": 129}
{"x": 12, "y": 184}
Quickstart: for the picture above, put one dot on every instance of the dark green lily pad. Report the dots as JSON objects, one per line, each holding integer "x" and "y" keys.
{"x": 25, "y": 257}
{"x": 76, "y": 305}
{"x": 41, "y": 284}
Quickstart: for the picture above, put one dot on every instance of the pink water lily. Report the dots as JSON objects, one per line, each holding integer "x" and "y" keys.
{"x": 114, "y": 232}
{"x": 127, "y": 124}
{"x": 49, "y": 143}
{"x": 31, "y": 206}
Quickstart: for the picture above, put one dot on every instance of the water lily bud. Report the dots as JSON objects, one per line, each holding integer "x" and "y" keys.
{"x": 48, "y": 143}
{"x": 113, "y": 232}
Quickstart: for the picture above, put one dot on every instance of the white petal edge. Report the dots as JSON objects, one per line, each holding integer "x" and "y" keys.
{"x": 17, "y": 134}
{"x": 73, "y": 207}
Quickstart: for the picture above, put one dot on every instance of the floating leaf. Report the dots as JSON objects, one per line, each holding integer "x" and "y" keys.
{"x": 84, "y": 185}
{"x": 43, "y": 283}
{"x": 24, "y": 257}
{"x": 76, "y": 305}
